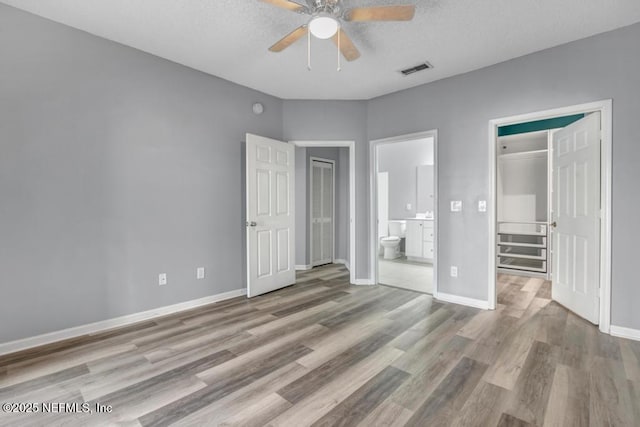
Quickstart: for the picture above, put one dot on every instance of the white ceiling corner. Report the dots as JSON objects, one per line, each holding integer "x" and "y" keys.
{"x": 230, "y": 38}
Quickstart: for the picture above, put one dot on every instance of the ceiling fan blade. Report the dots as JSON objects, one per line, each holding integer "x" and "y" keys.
{"x": 348, "y": 49}
{"x": 285, "y": 4}
{"x": 289, "y": 39}
{"x": 381, "y": 13}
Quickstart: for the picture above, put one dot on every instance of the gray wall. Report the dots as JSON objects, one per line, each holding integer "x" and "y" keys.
{"x": 338, "y": 121}
{"x": 115, "y": 166}
{"x": 522, "y": 189}
{"x": 601, "y": 67}
{"x": 303, "y": 192}
{"x": 401, "y": 160}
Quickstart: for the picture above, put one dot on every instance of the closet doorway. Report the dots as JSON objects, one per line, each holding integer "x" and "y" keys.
{"x": 551, "y": 217}
{"x": 343, "y": 153}
{"x": 322, "y": 210}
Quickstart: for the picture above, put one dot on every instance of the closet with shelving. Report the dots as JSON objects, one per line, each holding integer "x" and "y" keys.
{"x": 523, "y": 203}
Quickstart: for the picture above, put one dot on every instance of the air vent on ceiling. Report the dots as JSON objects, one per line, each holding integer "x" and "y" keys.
{"x": 424, "y": 66}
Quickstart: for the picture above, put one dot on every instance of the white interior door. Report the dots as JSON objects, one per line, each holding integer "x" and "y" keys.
{"x": 270, "y": 215}
{"x": 322, "y": 212}
{"x": 576, "y": 213}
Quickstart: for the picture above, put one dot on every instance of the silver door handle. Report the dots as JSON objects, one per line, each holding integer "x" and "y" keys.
{"x": 251, "y": 224}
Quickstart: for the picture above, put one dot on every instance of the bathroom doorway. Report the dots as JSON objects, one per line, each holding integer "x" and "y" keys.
{"x": 404, "y": 206}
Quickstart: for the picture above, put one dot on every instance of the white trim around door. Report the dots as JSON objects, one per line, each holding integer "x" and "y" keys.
{"x": 605, "y": 109}
{"x": 351, "y": 145}
{"x": 373, "y": 197}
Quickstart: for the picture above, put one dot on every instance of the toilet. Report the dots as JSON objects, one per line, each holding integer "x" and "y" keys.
{"x": 391, "y": 243}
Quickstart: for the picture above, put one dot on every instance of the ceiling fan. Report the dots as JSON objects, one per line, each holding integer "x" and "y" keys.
{"x": 326, "y": 16}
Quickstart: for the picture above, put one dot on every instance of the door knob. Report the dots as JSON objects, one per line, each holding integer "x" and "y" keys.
{"x": 553, "y": 224}
{"x": 251, "y": 224}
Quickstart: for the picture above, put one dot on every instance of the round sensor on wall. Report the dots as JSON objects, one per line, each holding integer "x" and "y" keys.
{"x": 258, "y": 108}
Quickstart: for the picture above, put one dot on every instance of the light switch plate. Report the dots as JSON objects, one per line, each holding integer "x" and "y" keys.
{"x": 454, "y": 271}
{"x": 162, "y": 279}
{"x": 482, "y": 206}
{"x": 456, "y": 206}
{"x": 408, "y": 206}
{"x": 200, "y": 273}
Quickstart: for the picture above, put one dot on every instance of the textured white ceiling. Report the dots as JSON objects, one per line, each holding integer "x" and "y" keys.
{"x": 230, "y": 38}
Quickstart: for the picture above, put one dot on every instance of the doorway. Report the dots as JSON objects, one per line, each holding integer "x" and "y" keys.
{"x": 344, "y": 249}
{"x": 403, "y": 211}
{"x": 551, "y": 187}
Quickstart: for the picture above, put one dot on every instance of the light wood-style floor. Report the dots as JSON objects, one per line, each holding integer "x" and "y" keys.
{"x": 325, "y": 353}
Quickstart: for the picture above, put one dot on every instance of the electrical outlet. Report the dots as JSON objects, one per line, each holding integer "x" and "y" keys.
{"x": 456, "y": 206}
{"x": 482, "y": 206}
{"x": 200, "y": 273}
{"x": 454, "y": 271}
{"x": 162, "y": 279}
{"x": 408, "y": 206}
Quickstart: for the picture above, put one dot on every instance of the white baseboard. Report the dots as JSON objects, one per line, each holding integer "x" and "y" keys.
{"x": 622, "y": 332}
{"x": 456, "y": 299}
{"x": 117, "y": 322}
{"x": 303, "y": 267}
{"x": 364, "y": 282}
{"x": 342, "y": 261}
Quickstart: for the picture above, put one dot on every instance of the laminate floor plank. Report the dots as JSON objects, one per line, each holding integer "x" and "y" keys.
{"x": 439, "y": 340}
{"x": 612, "y": 401}
{"x": 323, "y": 374}
{"x": 507, "y": 420}
{"x": 360, "y": 403}
{"x": 450, "y": 395}
{"x": 413, "y": 392}
{"x": 529, "y": 400}
{"x": 630, "y": 351}
{"x": 387, "y": 414}
{"x": 484, "y": 407}
{"x": 486, "y": 346}
{"x": 552, "y": 324}
{"x": 512, "y": 353}
{"x": 569, "y": 398}
{"x": 326, "y": 353}
{"x": 235, "y": 402}
{"x": 324, "y": 399}
{"x": 424, "y": 327}
{"x": 331, "y": 295}
{"x": 220, "y": 386}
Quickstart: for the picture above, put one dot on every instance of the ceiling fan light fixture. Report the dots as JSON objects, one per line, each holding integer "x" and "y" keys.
{"x": 323, "y": 26}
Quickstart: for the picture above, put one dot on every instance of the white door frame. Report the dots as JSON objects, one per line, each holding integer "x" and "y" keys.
{"x": 333, "y": 205}
{"x": 351, "y": 145}
{"x": 605, "y": 109}
{"x": 373, "y": 196}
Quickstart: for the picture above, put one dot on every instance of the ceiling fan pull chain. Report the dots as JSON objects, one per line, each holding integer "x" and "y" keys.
{"x": 309, "y": 50}
{"x": 339, "y": 51}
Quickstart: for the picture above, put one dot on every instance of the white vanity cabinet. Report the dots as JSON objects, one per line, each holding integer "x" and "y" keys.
{"x": 419, "y": 240}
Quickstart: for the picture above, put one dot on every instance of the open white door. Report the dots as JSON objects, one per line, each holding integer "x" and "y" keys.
{"x": 270, "y": 215}
{"x": 576, "y": 216}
